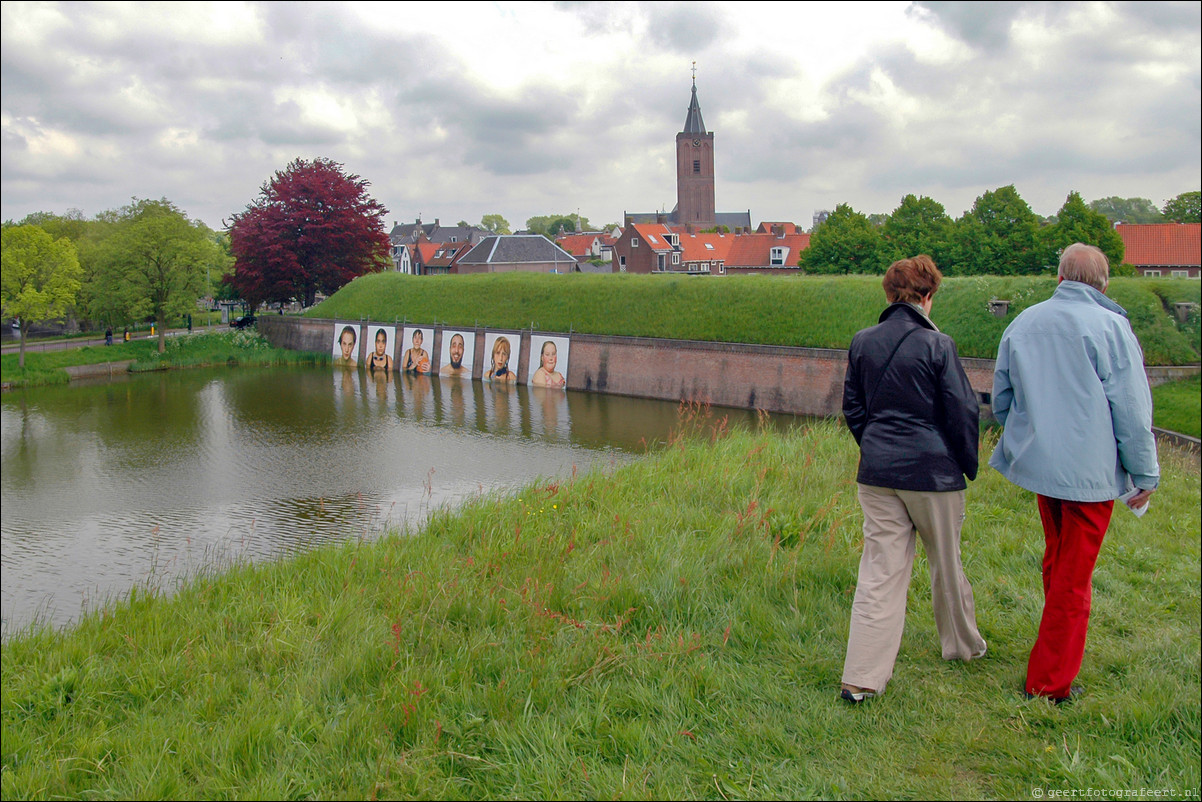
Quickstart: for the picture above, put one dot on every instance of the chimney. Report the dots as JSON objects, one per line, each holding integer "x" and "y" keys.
{"x": 629, "y": 222}
{"x": 660, "y": 219}
{"x": 779, "y": 231}
{"x": 436, "y": 222}
{"x": 690, "y": 229}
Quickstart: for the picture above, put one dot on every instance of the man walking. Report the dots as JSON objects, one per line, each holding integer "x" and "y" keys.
{"x": 1070, "y": 389}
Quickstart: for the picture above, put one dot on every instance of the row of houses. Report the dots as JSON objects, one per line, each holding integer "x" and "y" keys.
{"x": 1160, "y": 249}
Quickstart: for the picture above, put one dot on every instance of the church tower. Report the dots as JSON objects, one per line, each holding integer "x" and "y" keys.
{"x": 695, "y": 169}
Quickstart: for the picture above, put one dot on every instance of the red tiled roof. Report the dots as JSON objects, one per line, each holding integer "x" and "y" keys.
{"x": 755, "y": 250}
{"x": 1163, "y": 244}
{"x": 766, "y": 228}
{"x": 656, "y": 235}
{"x": 693, "y": 247}
{"x": 577, "y": 244}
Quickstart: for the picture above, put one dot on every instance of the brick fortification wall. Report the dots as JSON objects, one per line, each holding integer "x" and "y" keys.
{"x": 799, "y": 381}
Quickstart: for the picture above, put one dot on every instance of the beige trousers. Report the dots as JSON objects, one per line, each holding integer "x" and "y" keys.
{"x": 878, "y": 613}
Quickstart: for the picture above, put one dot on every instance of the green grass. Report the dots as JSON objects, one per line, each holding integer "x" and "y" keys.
{"x": 1176, "y": 406}
{"x": 822, "y": 312}
{"x": 200, "y": 349}
{"x": 673, "y": 630}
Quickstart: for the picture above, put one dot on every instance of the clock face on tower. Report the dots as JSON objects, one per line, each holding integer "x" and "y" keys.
{"x": 696, "y": 143}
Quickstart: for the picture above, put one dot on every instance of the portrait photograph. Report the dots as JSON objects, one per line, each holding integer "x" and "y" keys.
{"x": 346, "y": 344}
{"x": 501, "y": 355}
{"x": 415, "y": 350}
{"x": 458, "y": 352}
{"x": 380, "y": 345}
{"x": 548, "y": 362}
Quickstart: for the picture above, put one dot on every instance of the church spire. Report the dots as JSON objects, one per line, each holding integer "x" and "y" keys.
{"x": 693, "y": 124}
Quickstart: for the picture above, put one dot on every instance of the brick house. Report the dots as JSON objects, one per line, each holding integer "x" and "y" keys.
{"x": 772, "y": 252}
{"x": 403, "y": 237}
{"x": 1163, "y": 249}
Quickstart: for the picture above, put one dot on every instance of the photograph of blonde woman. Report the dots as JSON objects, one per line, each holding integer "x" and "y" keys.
{"x": 416, "y": 358}
{"x": 380, "y": 358}
{"x": 457, "y": 355}
{"x": 547, "y": 374}
{"x": 498, "y": 365}
{"x": 345, "y": 353}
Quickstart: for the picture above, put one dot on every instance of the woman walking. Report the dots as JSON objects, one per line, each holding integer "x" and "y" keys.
{"x": 913, "y": 412}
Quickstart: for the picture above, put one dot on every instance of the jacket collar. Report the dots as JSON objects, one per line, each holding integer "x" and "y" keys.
{"x": 901, "y": 309}
{"x": 1078, "y": 291}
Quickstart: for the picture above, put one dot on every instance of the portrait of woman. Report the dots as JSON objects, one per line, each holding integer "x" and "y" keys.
{"x": 345, "y": 352}
{"x": 416, "y": 359}
{"x": 498, "y": 364}
{"x": 380, "y": 358}
{"x": 547, "y": 373}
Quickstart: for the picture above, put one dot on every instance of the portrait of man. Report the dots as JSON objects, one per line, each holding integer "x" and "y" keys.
{"x": 457, "y": 354}
{"x": 346, "y": 341}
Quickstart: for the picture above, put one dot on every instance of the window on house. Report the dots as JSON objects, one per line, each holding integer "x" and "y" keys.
{"x": 778, "y": 257}
{"x": 1180, "y": 274}
{"x": 721, "y": 269}
{"x": 1152, "y": 273}
{"x": 709, "y": 246}
{"x": 634, "y": 242}
{"x": 675, "y": 258}
{"x": 696, "y": 165}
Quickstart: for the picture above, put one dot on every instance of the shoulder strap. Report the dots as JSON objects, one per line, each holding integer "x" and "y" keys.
{"x": 885, "y": 369}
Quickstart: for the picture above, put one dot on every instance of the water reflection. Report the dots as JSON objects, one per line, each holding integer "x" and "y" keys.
{"x": 150, "y": 478}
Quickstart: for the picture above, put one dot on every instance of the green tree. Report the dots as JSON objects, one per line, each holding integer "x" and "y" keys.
{"x": 846, "y": 243}
{"x": 1185, "y": 208}
{"x": 1127, "y": 210}
{"x": 39, "y": 277}
{"x": 1076, "y": 222}
{"x": 495, "y": 223}
{"x": 997, "y": 236}
{"x": 548, "y": 225}
{"x": 154, "y": 263}
{"x": 919, "y": 225}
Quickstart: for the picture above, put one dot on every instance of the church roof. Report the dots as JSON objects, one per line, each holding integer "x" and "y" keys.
{"x": 693, "y": 124}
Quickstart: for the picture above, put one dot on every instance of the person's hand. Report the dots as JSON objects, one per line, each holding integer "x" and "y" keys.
{"x": 1140, "y": 499}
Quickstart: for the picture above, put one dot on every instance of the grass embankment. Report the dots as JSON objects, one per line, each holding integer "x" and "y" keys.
{"x": 1176, "y": 406}
{"x": 821, "y": 312}
{"x": 201, "y": 349}
{"x": 674, "y": 630}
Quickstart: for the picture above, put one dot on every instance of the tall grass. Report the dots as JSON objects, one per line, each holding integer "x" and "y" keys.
{"x": 821, "y": 312}
{"x": 673, "y": 630}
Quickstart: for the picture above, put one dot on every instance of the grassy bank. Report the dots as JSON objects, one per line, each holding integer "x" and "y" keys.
{"x": 1176, "y": 406}
{"x": 201, "y": 349}
{"x": 821, "y": 312}
{"x": 673, "y": 630}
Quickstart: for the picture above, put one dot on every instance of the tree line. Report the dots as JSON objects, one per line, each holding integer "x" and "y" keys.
{"x": 999, "y": 235}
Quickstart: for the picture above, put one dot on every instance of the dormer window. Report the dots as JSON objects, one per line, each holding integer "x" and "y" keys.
{"x": 778, "y": 257}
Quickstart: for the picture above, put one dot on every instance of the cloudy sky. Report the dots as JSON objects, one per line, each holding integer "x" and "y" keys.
{"x": 456, "y": 110}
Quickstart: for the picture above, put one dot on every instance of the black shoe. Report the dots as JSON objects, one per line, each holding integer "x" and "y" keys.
{"x": 1074, "y": 693}
{"x": 856, "y": 696}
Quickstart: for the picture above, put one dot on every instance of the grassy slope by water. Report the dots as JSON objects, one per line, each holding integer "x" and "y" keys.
{"x": 191, "y": 350}
{"x": 1176, "y": 406}
{"x": 673, "y": 630}
{"x": 821, "y": 312}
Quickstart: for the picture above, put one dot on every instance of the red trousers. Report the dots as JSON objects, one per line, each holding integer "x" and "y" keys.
{"x": 1073, "y": 532}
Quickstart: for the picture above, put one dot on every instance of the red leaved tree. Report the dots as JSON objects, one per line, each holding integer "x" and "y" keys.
{"x": 312, "y": 229}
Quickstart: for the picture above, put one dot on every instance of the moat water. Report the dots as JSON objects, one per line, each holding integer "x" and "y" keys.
{"x": 146, "y": 480}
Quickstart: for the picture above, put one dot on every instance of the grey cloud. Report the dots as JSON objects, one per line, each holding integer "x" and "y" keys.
{"x": 687, "y": 28}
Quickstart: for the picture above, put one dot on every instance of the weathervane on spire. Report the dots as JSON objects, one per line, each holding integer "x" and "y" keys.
{"x": 694, "y": 74}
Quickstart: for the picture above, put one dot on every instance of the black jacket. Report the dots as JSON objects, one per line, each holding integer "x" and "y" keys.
{"x": 917, "y": 423}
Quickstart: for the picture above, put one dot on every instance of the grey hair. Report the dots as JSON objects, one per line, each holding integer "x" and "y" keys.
{"x": 1086, "y": 264}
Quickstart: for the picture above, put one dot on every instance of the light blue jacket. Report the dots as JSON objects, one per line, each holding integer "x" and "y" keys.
{"x": 1070, "y": 389}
